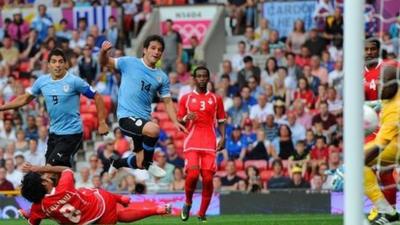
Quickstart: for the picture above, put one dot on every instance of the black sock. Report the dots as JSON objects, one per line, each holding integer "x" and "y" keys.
{"x": 129, "y": 162}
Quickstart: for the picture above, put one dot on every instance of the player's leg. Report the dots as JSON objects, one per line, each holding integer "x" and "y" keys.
{"x": 192, "y": 168}
{"x": 131, "y": 213}
{"x": 64, "y": 148}
{"x": 207, "y": 171}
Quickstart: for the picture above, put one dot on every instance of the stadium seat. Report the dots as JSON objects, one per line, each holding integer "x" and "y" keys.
{"x": 241, "y": 174}
{"x": 239, "y": 165}
{"x": 107, "y": 103}
{"x": 220, "y": 173}
{"x": 178, "y": 144}
{"x": 259, "y": 164}
{"x": 265, "y": 175}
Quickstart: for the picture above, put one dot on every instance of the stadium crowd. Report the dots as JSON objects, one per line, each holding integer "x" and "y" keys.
{"x": 282, "y": 96}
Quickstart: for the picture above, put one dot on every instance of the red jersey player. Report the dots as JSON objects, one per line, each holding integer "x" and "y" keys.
{"x": 200, "y": 110}
{"x": 67, "y": 205}
{"x": 372, "y": 69}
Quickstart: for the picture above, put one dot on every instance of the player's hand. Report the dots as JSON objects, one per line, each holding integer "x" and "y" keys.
{"x": 27, "y": 167}
{"x": 23, "y": 213}
{"x": 191, "y": 116}
{"x": 180, "y": 127}
{"x": 221, "y": 144}
{"x": 106, "y": 46}
{"x": 103, "y": 128}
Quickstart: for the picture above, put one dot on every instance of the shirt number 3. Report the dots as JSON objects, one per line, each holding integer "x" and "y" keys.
{"x": 202, "y": 105}
{"x": 72, "y": 214}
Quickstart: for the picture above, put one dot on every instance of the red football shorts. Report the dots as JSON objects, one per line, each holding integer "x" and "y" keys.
{"x": 204, "y": 160}
{"x": 110, "y": 213}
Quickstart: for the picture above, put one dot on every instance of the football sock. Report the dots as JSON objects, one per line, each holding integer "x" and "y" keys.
{"x": 129, "y": 161}
{"x": 206, "y": 194}
{"x": 148, "y": 145}
{"x": 190, "y": 184}
{"x": 388, "y": 182}
{"x": 131, "y": 214}
{"x": 374, "y": 193}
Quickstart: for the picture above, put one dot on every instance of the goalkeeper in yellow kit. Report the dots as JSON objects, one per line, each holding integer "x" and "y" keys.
{"x": 384, "y": 149}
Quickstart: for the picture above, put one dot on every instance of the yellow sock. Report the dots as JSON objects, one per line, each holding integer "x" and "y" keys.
{"x": 374, "y": 193}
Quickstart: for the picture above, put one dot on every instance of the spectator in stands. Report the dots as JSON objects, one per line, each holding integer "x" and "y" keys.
{"x": 237, "y": 59}
{"x": 18, "y": 30}
{"x": 322, "y": 10}
{"x": 94, "y": 165}
{"x": 335, "y": 105}
{"x": 334, "y": 26}
{"x": 269, "y": 92}
{"x": 334, "y": 158}
{"x": 142, "y": 16}
{"x": 269, "y": 74}
{"x": 173, "y": 157}
{"x": 173, "y": 47}
{"x": 283, "y": 146}
{"x": 227, "y": 88}
{"x": 290, "y": 82}
{"x": 304, "y": 93}
{"x": 127, "y": 184}
{"x": 315, "y": 43}
{"x": 228, "y": 70}
{"x": 247, "y": 99}
{"x": 96, "y": 182}
{"x": 394, "y": 28}
{"x": 278, "y": 179}
{"x": 108, "y": 183}
{"x": 129, "y": 9}
{"x": 238, "y": 112}
{"x": 299, "y": 158}
{"x": 9, "y": 53}
{"x": 235, "y": 147}
{"x": 83, "y": 30}
{"x": 280, "y": 90}
{"x": 8, "y": 131}
{"x": 294, "y": 70}
{"x": 19, "y": 161}
{"x": 297, "y": 180}
{"x": 64, "y": 32}
{"x": 217, "y": 184}
{"x": 275, "y": 42}
{"x": 255, "y": 88}
{"x": 112, "y": 31}
{"x": 336, "y": 78}
{"x": 303, "y": 59}
{"x": 107, "y": 154}
{"x": 2, "y": 157}
{"x": 182, "y": 72}
{"x": 296, "y": 38}
{"x": 21, "y": 144}
{"x": 161, "y": 160}
{"x": 253, "y": 179}
{"x": 327, "y": 119}
{"x": 251, "y": 41}
{"x": 76, "y": 41}
{"x": 5, "y": 185}
{"x": 43, "y": 138}
{"x": 191, "y": 52}
{"x": 313, "y": 81}
{"x": 33, "y": 156}
{"x": 303, "y": 117}
{"x": 271, "y": 129}
{"x": 248, "y": 133}
{"x": 279, "y": 111}
{"x": 231, "y": 180}
{"x": 317, "y": 70}
{"x": 13, "y": 175}
{"x": 99, "y": 38}
{"x": 298, "y": 130}
{"x": 236, "y": 10}
{"x": 264, "y": 49}
{"x": 31, "y": 130}
{"x": 178, "y": 183}
{"x": 88, "y": 66}
{"x": 319, "y": 154}
{"x": 326, "y": 61}
{"x": 262, "y": 31}
{"x": 249, "y": 70}
{"x": 316, "y": 183}
{"x": 259, "y": 112}
{"x": 259, "y": 149}
{"x": 31, "y": 45}
{"x": 41, "y": 22}
{"x": 83, "y": 179}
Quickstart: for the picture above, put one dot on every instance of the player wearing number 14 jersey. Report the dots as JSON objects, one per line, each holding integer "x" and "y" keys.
{"x": 200, "y": 110}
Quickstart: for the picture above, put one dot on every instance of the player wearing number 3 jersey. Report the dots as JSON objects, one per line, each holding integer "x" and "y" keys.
{"x": 62, "y": 202}
{"x": 61, "y": 91}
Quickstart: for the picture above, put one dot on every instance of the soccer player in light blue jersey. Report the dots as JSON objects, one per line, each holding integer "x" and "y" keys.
{"x": 141, "y": 81}
{"x": 61, "y": 91}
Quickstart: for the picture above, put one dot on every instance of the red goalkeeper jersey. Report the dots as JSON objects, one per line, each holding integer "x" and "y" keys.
{"x": 209, "y": 108}
{"x": 68, "y": 205}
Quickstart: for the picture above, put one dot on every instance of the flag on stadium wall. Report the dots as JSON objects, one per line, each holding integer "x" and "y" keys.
{"x": 188, "y": 21}
{"x": 94, "y": 15}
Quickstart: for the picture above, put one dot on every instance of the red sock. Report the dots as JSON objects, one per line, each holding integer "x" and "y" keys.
{"x": 206, "y": 194}
{"x": 121, "y": 199}
{"x": 131, "y": 214}
{"x": 389, "y": 186}
{"x": 190, "y": 184}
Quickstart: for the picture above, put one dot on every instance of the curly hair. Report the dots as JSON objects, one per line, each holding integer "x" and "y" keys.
{"x": 32, "y": 188}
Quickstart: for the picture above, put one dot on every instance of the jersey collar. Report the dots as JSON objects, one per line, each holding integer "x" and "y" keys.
{"x": 377, "y": 66}
{"x": 197, "y": 93}
{"x": 148, "y": 67}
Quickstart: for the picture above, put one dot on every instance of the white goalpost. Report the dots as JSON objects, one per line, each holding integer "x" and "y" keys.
{"x": 353, "y": 111}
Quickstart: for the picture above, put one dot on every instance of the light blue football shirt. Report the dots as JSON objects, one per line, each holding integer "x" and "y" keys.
{"x": 62, "y": 101}
{"x": 139, "y": 85}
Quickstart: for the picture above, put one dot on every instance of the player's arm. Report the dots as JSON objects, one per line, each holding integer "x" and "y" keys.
{"x": 221, "y": 117}
{"x": 104, "y": 59}
{"x": 170, "y": 109}
{"x": 27, "y": 167}
{"x": 101, "y": 114}
{"x": 19, "y": 101}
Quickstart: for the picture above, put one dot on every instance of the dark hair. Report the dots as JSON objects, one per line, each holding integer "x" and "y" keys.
{"x": 225, "y": 76}
{"x": 32, "y": 187}
{"x": 57, "y": 52}
{"x": 323, "y": 138}
{"x": 287, "y": 127}
{"x": 169, "y": 21}
{"x": 302, "y": 142}
{"x": 276, "y": 64}
{"x": 375, "y": 41}
{"x": 201, "y": 68}
{"x": 305, "y": 79}
{"x": 247, "y": 59}
{"x": 156, "y": 38}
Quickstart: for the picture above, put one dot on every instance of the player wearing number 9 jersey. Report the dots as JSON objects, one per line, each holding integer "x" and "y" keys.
{"x": 61, "y": 201}
{"x": 61, "y": 91}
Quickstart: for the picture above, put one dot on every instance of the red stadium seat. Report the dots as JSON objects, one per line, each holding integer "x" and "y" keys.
{"x": 260, "y": 164}
{"x": 178, "y": 144}
{"x": 265, "y": 175}
{"x": 107, "y": 103}
{"x": 241, "y": 174}
{"x": 220, "y": 173}
{"x": 239, "y": 165}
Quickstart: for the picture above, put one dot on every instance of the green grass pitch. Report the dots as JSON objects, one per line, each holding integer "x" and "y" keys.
{"x": 267, "y": 219}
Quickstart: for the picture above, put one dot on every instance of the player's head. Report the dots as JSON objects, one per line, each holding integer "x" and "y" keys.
{"x": 372, "y": 49}
{"x": 57, "y": 63}
{"x": 201, "y": 76}
{"x": 34, "y": 186}
{"x": 153, "y": 47}
{"x": 389, "y": 85}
